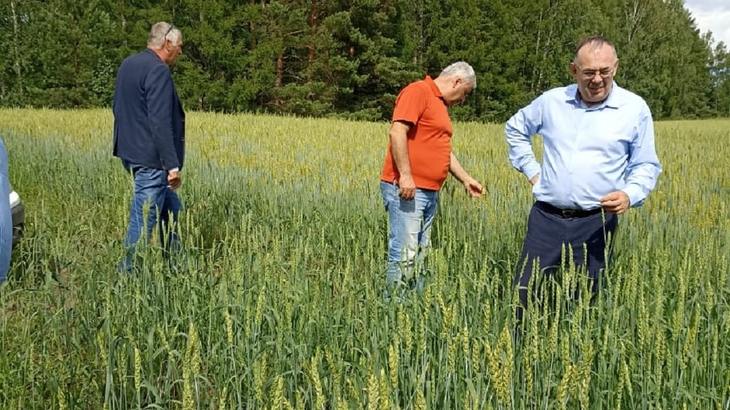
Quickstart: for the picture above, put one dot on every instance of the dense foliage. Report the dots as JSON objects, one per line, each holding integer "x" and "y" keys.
{"x": 277, "y": 301}
{"x": 350, "y": 57}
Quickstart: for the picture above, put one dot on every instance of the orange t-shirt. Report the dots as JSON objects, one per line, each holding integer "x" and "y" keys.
{"x": 429, "y": 139}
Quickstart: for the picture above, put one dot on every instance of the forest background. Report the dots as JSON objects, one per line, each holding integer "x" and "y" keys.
{"x": 349, "y": 58}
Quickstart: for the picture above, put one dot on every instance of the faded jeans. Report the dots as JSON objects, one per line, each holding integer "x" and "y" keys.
{"x": 409, "y": 232}
{"x": 153, "y": 197}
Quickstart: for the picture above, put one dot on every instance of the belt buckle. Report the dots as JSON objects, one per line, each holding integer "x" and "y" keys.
{"x": 568, "y": 213}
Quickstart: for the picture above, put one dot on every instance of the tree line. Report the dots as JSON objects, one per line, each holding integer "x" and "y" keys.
{"x": 349, "y": 58}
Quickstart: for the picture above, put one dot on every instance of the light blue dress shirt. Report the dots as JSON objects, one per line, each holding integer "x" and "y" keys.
{"x": 588, "y": 151}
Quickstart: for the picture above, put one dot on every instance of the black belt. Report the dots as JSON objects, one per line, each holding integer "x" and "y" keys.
{"x": 566, "y": 213}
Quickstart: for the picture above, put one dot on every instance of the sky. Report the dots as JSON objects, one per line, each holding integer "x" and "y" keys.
{"x": 712, "y": 15}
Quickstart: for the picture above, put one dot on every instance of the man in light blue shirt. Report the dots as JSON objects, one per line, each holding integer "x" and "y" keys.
{"x": 599, "y": 159}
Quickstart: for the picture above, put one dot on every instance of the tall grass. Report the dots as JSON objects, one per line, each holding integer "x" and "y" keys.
{"x": 277, "y": 300}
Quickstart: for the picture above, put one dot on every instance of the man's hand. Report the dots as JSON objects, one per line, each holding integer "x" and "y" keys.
{"x": 406, "y": 187}
{"x": 617, "y": 202}
{"x": 173, "y": 180}
{"x": 473, "y": 187}
{"x": 534, "y": 180}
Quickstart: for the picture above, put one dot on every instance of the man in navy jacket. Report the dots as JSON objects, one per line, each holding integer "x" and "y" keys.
{"x": 149, "y": 137}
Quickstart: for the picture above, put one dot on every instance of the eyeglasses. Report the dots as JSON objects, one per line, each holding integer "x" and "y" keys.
{"x": 605, "y": 72}
{"x": 172, "y": 27}
{"x": 164, "y": 38}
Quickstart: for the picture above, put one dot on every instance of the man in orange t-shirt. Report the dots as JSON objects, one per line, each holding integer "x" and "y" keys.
{"x": 417, "y": 162}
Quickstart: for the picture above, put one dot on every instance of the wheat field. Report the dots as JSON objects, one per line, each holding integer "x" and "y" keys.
{"x": 277, "y": 299}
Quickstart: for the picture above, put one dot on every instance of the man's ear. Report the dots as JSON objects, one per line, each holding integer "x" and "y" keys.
{"x": 573, "y": 68}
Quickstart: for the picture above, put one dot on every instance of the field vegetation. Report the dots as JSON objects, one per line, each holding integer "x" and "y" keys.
{"x": 277, "y": 301}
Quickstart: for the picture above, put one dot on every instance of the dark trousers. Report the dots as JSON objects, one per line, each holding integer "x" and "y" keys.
{"x": 549, "y": 230}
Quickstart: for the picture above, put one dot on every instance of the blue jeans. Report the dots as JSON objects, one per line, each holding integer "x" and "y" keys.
{"x": 6, "y": 220}
{"x": 409, "y": 231}
{"x": 153, "y": 197}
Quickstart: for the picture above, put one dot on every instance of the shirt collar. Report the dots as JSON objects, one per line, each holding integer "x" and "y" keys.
{"x": 613, "y": 101}
{"x": 433, "y": 87}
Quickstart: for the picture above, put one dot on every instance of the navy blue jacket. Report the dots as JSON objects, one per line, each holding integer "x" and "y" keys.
{"x": 149, "y": 121}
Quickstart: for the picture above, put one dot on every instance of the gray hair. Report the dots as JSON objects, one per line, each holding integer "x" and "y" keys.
{"x": 462, "y": 70}
{"x": 163, "y": 31}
